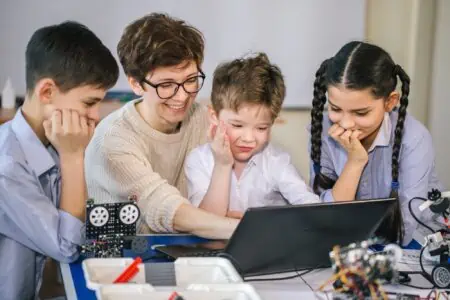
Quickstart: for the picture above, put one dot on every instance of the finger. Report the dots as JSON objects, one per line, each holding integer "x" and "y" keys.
{"x": 91, "y": 125}
{"x": 226, "y": 142}
{"x": 84, "y": 128}
{"x": 57, "y": 121}
{"x": 76, "y": 121}
{"x": 333, "y": 128}
{"x": 354, "y": 139}
{"x": 345, "y": 137}
{"x": 355, "y": 135}
{"x": 66, "y": 121}
{"x": 337, "y": 132}
{"x": 212, "y": 132}
{"x": 219, "y": 137}
{"x": 47, "y": 127}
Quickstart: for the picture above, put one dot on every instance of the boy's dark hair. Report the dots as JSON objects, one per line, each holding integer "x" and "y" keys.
{"x": 71, "y": 55}
{"x": 158, "y": 40}
{"x": 359, "y": 66}
{"x": 248, "y": 80}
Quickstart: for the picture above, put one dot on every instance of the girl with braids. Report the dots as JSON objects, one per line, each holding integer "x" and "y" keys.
{"x": 365, "y": 147}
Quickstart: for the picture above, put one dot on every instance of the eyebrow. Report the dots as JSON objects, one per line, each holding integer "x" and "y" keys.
{"x": 96, "y": 99}
{"x": 173, "y": 80}
{"x": 239, "y": 121}
{"x": 353, "y": 110}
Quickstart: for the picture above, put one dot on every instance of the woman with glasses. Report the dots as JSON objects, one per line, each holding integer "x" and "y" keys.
{"x": 140, "y": 149}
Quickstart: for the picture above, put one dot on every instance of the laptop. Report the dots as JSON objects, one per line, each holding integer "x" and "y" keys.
{"x": 278, "y": 239}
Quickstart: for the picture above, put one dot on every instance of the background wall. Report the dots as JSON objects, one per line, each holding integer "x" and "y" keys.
{"x": 439, "y": 110}
{"x": 296, "y": 35}
{"x": 415, "y": 32}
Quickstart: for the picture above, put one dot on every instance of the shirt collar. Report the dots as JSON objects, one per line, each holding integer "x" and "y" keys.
{"x": 257, "y": 158}
{"x": 36, "y": 154}
{"x": 384, "y": 134}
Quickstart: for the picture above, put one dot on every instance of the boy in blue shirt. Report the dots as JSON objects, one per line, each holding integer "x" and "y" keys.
{"x": 42, "y": 185}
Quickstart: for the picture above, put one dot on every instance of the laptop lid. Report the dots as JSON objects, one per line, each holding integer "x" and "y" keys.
{"x": 287, "y": 238}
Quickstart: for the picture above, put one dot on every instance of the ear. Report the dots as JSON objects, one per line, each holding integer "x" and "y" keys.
{"x": 212, "y": 115}
{"x": 392, "y": 101}
{"x": 45, "y": 90}
{"x": 135, "y": 86}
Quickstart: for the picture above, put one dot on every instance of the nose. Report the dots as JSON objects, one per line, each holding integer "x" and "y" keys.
{"x": 247, "y": 135}
{"x": 347, "y": 122}
{"x": 180, "y": 94}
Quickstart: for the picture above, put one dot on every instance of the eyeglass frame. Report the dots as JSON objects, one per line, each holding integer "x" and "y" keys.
{"x": 155, "y": 86}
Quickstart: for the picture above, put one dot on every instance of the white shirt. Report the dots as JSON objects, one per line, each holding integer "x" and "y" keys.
{"x": 268, "y": 179}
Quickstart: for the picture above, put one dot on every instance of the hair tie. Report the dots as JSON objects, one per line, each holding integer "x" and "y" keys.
{"x": 316, "y": 167}
{"x": 397, "y": 69}
{"x": 395, "y": 185}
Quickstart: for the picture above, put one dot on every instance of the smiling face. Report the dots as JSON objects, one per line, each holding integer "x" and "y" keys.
{"x": 84, "y": 99}
{"x": 166, "y": 114}
{"x": 359, "y": 110}
{"x": 248, "y": 129}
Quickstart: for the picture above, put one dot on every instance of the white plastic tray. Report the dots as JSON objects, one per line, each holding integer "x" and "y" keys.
{"x": 239, "y": 291}
{"x": 209, "y": 270}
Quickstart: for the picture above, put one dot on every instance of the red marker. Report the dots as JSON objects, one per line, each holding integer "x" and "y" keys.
{"x": 129, "y": 272}
{"x": 175, "y": 296}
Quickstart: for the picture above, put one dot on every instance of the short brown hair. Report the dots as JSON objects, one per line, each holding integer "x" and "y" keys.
{"x": 248, "y": 80}
{"x": 158, "y": 40}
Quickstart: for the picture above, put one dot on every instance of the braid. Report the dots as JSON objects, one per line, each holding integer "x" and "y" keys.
{"x": 319, "y": 100}
{"x": 401, "y": 120}
{"x": 392, "y": 227}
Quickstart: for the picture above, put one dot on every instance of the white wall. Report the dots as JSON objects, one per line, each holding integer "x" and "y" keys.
{"x": 296, "y": 35}
{"x": 405, "y": 28}
{"x": 439, "y": 111}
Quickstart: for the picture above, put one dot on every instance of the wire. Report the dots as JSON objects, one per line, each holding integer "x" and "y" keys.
{"x": 417, "y": 287}
{"x": 306, "y": 282}
{"x": 414, "y": 216}
{"x": 425, "y": 273}
{"x": 305, "y": 271}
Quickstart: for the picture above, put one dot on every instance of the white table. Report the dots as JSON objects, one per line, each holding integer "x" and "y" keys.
{"x": 294, "y": 288}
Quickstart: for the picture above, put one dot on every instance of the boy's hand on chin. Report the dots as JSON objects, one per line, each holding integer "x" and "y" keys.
{"x": 69, "y": 132}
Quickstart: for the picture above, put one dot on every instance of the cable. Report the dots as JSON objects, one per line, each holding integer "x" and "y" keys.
{"x": 303, "y": 279}
{"x": 414, "y": 216}
{"x": 424, "y": 273}
{"x": 305, "y": 271}
{"x": 417, "y": 287}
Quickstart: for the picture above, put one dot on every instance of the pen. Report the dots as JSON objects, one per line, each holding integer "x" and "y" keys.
{"x": 129, "y": 272}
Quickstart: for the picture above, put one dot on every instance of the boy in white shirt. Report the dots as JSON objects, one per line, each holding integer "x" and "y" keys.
{"x": 239, "y": 168}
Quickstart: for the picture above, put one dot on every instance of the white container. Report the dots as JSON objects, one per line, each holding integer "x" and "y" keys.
{"x": 194, "y": 270}
{"x": 240, "y": 291}
{"x": 8, "y": 95}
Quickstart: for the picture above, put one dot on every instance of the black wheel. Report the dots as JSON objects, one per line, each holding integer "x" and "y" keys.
{"x": 139, "y": 244}
{"x": 441, "y": 276}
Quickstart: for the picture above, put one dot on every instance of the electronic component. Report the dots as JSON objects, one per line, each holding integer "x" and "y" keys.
{"x": 359, "y": 272}
{"x": 109, "y": 227}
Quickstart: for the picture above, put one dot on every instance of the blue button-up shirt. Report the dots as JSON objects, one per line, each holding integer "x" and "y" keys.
{"x": 31, "y": 225}
{"x": 417, "y": 174}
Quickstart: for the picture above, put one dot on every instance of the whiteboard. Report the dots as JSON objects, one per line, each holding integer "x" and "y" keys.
{"x": 297, "y": 35}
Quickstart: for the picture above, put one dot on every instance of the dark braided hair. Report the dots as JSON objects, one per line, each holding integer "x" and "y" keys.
{"x": 359, "y": 66}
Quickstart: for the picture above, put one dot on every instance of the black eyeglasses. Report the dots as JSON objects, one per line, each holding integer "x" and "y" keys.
{"x": 166, "y": 90}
